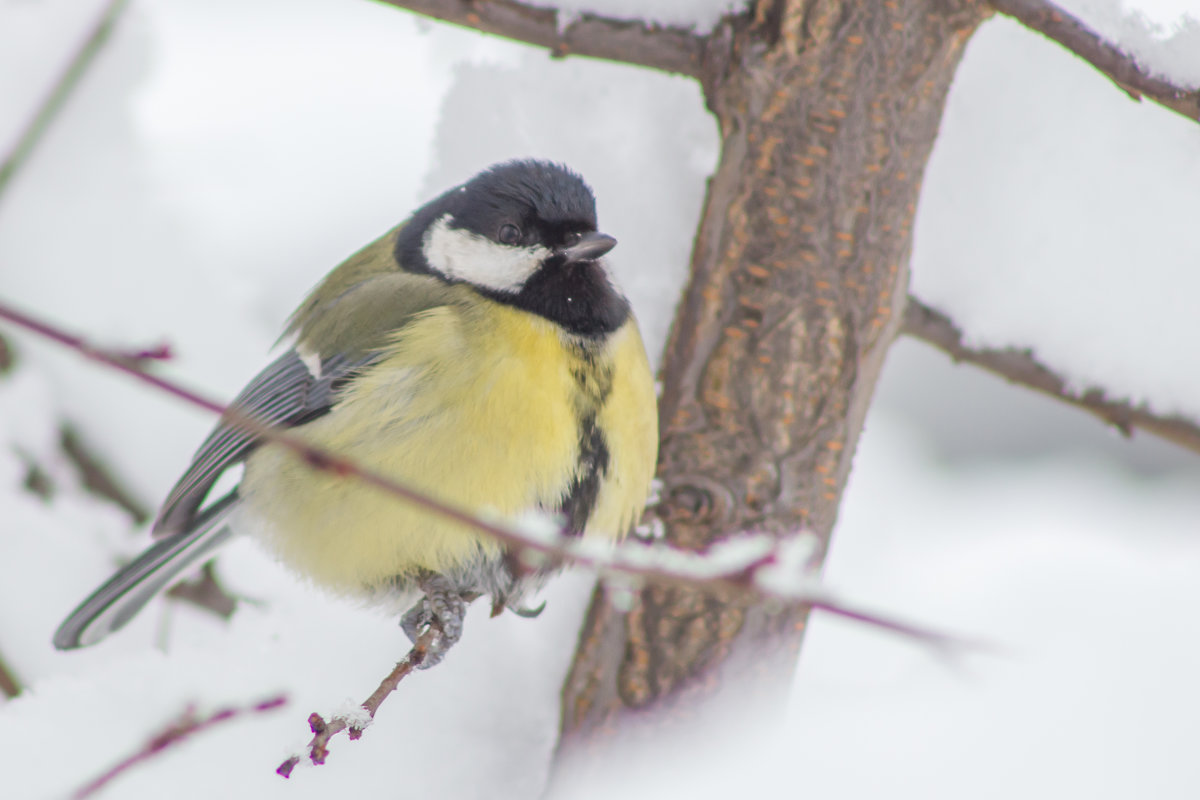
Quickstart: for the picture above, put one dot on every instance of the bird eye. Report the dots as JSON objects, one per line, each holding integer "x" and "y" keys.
{"x": 509, "y": 234}
{"x": 573, "y": 238}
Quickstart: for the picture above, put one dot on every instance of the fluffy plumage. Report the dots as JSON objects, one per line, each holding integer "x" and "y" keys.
{"x": 478, "y": 352}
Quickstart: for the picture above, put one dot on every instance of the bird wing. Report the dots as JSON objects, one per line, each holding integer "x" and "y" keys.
{"x": 348, "y": 337}
{"x": 286, "y": 393}
{"x": 126, "y": 593}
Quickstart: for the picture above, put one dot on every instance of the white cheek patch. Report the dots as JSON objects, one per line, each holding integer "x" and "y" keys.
{"x": 466, "y": 256}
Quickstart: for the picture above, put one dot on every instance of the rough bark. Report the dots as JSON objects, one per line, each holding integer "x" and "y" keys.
{"x": 828, "y": 110}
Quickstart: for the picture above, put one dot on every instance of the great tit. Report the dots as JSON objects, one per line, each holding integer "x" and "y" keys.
{"x": 478, "y": 352}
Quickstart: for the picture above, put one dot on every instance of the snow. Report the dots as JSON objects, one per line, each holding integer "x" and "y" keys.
{"x": 1082, "y": 578}
{"x": 355, "y": 715}
{"x": 698, "y": 15}
{"x": 1162, "y": 35}
{"x": 1079, "y": 210}
{"x": 220, "y": 157}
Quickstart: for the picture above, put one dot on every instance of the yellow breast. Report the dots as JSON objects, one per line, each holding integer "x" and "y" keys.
{"x": 478, "y": 405}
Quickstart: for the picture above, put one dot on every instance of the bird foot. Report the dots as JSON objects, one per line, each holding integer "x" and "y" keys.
{"x": 442, "y": 606}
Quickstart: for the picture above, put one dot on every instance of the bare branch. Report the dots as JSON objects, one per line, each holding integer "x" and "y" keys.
{"x": 174, "y": 733}
{"x": 61, "y": 91}
{"x": 631, "y": 41}
{"x": 1071, "y": 32}
{"x": 318, "y": 748}
{"x": 1020, "y": 367}
{"x": 315, "y": 457}
{"x": 97, "y": 476}
{"x": 205, "y": 592}
{"x": 7, "y": 358}
{"x": 763, "y": 567}
{"x": 9, "y": 685}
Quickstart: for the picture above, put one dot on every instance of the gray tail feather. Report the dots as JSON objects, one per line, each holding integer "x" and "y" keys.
{"x": 127, "y": 592}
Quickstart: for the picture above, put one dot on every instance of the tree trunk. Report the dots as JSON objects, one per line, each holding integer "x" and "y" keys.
{"x": 828, "y": 110}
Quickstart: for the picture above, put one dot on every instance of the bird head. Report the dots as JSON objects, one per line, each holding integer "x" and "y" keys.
{"x": 523, "y": 233}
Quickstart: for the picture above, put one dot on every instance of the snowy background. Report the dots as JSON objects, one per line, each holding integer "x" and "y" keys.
{"x": 219, "y": 157}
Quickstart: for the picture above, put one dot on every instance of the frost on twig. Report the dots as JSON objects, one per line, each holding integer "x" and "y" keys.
{"x": 756, "y": 564}
{"x": 183, "y": 727}
{"x": 354, "y": 722}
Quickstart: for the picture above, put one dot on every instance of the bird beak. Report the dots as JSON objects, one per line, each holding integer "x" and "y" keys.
{"x": 589, "y": 248}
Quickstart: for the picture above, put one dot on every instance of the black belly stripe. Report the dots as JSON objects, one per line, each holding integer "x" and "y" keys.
{"x": 581, "y": 495}
{"x": 594, "y": 379}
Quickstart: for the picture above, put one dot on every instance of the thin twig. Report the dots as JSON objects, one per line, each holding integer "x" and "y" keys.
{"x": 175, "y": 732}
{"x": 631, "y": 41}
{"x": 205, "y": 592}
{"x": 1072, "y": 33}
{"x": 97, "y": 476}
{"x": 7, "y": 356}
{"x": 318, "y": 748}
{"x": 62, "y": 90}
{"x": 633, "y": 560}
{"x": 1020, "y": 367}
{"x": 9, "y": 685}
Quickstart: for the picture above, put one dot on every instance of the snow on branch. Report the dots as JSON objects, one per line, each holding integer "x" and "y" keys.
{"x": 1069, "y": 31}
{"x": 1020, "y": 367}
{"x": 629, "y": 40}
{"x": 357, "y": 720}
{"x": 175, "y": 732}
{"x": 762, "y": 566}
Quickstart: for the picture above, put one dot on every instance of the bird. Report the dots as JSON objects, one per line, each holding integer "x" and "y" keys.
{"x": 479, "y": 352}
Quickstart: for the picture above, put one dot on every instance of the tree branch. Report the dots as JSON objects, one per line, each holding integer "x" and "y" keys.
{"x": 355, "y": 723}
{"x": 763, "y": 567}
{"x": 182, "y": 728}
{"x": 7, "y": 358}
{"x": 9, "y": 686}
{"x": 97, "y": 476}
{"x": 1020, "y": 367}
{"x": 205, "y": 592}
{"x": 60, "y": 92}
{"x": 1048, "y": 19}
{"x": 631, "y": 41}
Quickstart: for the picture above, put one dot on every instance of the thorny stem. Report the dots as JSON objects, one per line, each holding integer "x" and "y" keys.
{"x": 318, "y": 748}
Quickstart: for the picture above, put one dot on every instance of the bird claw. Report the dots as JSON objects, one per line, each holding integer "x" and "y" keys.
{"x": 529, "y": 613}
{"x": 443, "y": 606}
